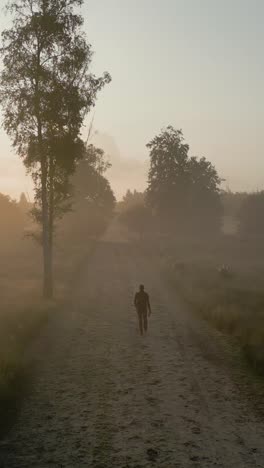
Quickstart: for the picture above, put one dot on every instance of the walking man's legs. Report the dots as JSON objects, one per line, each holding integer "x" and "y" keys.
{"x": 140, "y": 321}
{"x": 145, "y": 319}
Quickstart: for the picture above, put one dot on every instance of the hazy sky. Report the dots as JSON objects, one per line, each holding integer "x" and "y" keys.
{"x": 194, "y": 64}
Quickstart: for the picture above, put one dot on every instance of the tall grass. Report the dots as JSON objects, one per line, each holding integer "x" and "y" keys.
{"x": 233, "y": 304}
{"x": 23, "y": 313}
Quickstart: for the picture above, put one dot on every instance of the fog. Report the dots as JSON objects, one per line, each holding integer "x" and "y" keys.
{"x": 125, "y": 172}
{"x": 131, "y": 240}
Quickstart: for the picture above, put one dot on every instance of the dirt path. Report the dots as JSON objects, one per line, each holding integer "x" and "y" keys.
{"x": 105, "y": 397}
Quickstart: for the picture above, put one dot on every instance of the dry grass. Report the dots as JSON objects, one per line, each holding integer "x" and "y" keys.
{"x": 23, "y": 312}
{"x": 233, "y": 304}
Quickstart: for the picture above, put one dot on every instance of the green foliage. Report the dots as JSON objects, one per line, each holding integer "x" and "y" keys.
{"x": 183, "y": 191}
{"x": 251, "y": 221}
{"x": 137, "y": 218}
{"x": 93, "y": 200}
{"x": 46, "y": 90}
{"x": 45, "y": 80}
{"x": 95, "y": 157}
{"x": 89, "y": 184}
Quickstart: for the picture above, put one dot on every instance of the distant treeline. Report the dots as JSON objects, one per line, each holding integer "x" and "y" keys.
{"x": 13, "y": 215}
{"x": 87, "y": 211}
{"x": 184, "y": 196}
{"x": 242, "y": 210}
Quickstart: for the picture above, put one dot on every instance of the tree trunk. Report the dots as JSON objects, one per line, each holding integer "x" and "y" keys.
{"x": 51, "y": 218}
{"x": 46, "y": 244}
{"x": 47, "y": 250}
{"x": 48, "y": 268}
{"x": 46, "y": 240}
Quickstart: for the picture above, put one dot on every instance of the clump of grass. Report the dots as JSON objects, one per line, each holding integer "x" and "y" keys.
{"x": 233, "y": 305}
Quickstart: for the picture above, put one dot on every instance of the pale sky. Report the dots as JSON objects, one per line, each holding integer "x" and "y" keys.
{"x": 194, "y": 64}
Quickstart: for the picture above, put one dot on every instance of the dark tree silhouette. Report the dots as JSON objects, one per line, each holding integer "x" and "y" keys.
{"x": 89, "y": 184}
{"x": 132, "y": 199}
{"x": 183, "y": 192}
{"x": 92, "y": 200}
{"x": 137, "y": 218}
{"x": 46, "y": 91}
{"x": 134, "y": 213}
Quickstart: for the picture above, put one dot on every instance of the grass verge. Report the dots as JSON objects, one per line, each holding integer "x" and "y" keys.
{"x": 233, "y": 305}
{"x": 19, "y": 328}
{"x": 20, "y": 325}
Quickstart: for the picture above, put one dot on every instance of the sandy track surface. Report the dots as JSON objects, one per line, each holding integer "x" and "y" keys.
{"x": 105, "y": 397}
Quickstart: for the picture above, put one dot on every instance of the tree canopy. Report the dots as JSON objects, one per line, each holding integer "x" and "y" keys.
{"x": 46, "y": 91}
{"x": 183, "y": 191}
{"x": 90, "y": 187}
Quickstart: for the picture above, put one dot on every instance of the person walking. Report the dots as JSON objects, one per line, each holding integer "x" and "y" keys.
{"x": 142, "y": 304}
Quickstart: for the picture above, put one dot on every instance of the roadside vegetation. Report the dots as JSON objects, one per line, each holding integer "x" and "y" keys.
{"x": 229, "y": 295}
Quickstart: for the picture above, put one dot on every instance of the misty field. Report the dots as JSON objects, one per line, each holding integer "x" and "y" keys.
{"x": 132, "y": 322}
{"x": 223, "y": 281}
{"x": 21, "y": 315}
{"x": 23, "y": 312}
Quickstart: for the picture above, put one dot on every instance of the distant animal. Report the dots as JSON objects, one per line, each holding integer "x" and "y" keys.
{"x": 225, "y": 271}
